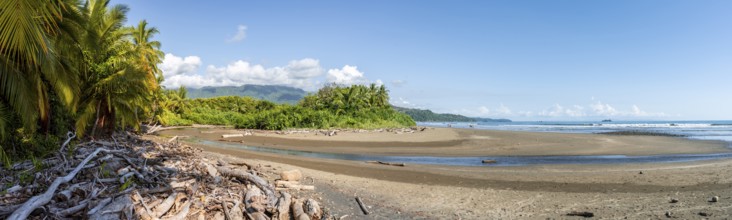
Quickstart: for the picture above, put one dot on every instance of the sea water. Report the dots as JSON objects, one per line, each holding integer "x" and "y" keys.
{"x": 705, "y": 130}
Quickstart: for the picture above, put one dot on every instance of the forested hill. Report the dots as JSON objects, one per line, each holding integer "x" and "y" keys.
{"x": 429, "y": 116}
{"x": 273, "y": 93}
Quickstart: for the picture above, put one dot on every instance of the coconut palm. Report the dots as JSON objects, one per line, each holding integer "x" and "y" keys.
{"x": 33, "y": 36}
{"x": 121, "y": 74}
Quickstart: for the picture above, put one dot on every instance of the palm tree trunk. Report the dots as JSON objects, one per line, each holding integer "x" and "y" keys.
{"x": 96, "y": 122}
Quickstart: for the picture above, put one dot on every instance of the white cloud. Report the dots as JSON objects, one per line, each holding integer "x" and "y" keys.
{"x": 503, "y": 110}
{"x": 173, "y": 65}
{"x": 378, "y": 82}
{"x": 484, "y": 110}
{"x": 183, "y": 72}
{"x": 560, "y": 111}
{"x": 241, "y": 33}
{"x": 348, "y": 75}
{"x": 398, "y": 83}
{"x": 401, "y": 102}
{"x": 601, "y": 109}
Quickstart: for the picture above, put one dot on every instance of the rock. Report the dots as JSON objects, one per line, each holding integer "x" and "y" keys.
{"x": 714, "y": 199}
{"x": 490, "y": 161}
{"x": 705, "y": 214}
{"x": 674, "y": 200}
{"x": 291, "y": 175}
{"x": 668, "y": 214}
{"x": 641, "y": 172}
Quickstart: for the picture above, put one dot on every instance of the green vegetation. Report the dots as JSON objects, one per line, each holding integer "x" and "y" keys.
{"x": 272, "y": 93}
{"x": 427, "y": 115}
{"x": 333, "y": 106}
{"x": 71, "y": 65}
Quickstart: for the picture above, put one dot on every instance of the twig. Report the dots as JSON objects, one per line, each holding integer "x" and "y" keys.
{"x": 363, "y": 207}
{"x": 99, "y": 206}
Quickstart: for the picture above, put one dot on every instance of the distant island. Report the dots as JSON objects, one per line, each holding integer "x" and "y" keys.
{"x": 272, "y": 93}
{"x": 425, "y": 115}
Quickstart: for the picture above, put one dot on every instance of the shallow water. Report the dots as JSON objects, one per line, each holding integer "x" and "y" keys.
{"x": 705, "y": 130}
{"x": 477, "y": 161}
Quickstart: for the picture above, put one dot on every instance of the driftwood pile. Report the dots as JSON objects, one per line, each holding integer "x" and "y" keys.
{"x": 130, "y": 178}
{"x": 333, "y": 132}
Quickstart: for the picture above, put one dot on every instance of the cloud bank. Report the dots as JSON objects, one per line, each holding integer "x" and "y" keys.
{"x": 596, "y": 109}
{"x": 305, "y": 73}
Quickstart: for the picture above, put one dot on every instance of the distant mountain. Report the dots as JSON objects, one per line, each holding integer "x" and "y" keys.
{"x": 273, "y": 93}
{"x": 424, "y": 115}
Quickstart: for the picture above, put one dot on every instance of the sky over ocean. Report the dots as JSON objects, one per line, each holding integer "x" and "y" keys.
{"x": 523, "y": 60}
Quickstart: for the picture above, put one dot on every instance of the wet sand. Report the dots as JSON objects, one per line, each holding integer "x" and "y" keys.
{"x": 463, "y": 142}
{"x": 550, "y": 191}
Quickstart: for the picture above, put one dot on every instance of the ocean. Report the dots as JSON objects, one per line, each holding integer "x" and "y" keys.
{"x": 704, "y": 130}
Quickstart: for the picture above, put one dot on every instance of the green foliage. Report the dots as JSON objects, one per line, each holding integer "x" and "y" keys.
{"x": 127, "y": 184}
{"x": 71, "y": 65}
{"x": 333, "y": 106}
{"x": 427, "y": 115}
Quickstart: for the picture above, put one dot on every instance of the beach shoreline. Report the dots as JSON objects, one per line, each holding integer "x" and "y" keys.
{"x": 454, "y": 192}
{"x": 460, "y": 142}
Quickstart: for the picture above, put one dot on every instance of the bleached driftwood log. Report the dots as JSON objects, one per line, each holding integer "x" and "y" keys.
{"x": 283, "y": 207}
{"x": 42, "y": 199}
{"x": 232, "y": 135}
{"x": 258, "y": 181}
{"x": 298, "y": 212}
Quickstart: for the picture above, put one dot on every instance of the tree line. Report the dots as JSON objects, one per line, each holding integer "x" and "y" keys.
{"x": 333, "y": 106}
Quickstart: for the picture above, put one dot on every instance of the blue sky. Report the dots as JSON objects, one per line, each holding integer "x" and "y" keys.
{"x": 523, "y": 60}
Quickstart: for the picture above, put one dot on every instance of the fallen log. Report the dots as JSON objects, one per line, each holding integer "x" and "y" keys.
{"x": 362, "y": 206}
{"x": 232, "y": 135}
{"x": 489, "y": 161}
{"x": 258, "y": 181}
{"x": 39, "y": 200}
{"x": 298, "y": 212}
{"x": 386, "y": 163}
{"x": 292, "y": 185}
{"x": 283, "y": 207}
{"x": 583, "y": 214}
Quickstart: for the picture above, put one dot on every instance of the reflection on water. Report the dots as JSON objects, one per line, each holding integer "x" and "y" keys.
{"x": 477, "y": 161}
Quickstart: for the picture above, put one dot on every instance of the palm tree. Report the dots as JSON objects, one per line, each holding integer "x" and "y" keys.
{"x": 120, "y": 77}
{"x": 33, "y": 36}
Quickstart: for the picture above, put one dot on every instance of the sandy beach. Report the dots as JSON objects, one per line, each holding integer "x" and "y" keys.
{"x": 529, "y": 192}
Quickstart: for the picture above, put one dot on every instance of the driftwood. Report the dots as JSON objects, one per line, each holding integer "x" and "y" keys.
{"x": 283, "y": 207}
{"x": 171, "y": 182}
{"x": 298, "y": 212}
{"x": 258, "y": 181}
{"x": 386, "y": 163}
{"x": 161, "y": 209}
{"x": 281, "y": 184}
{"x": 583, "y": 214}
{"x": 232, "y": 135}
{"x": 362, "y": 206}
{"x": 312, "y": 208}
{"x": 39, "y": 200}
{"x": 489, "y": 161}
